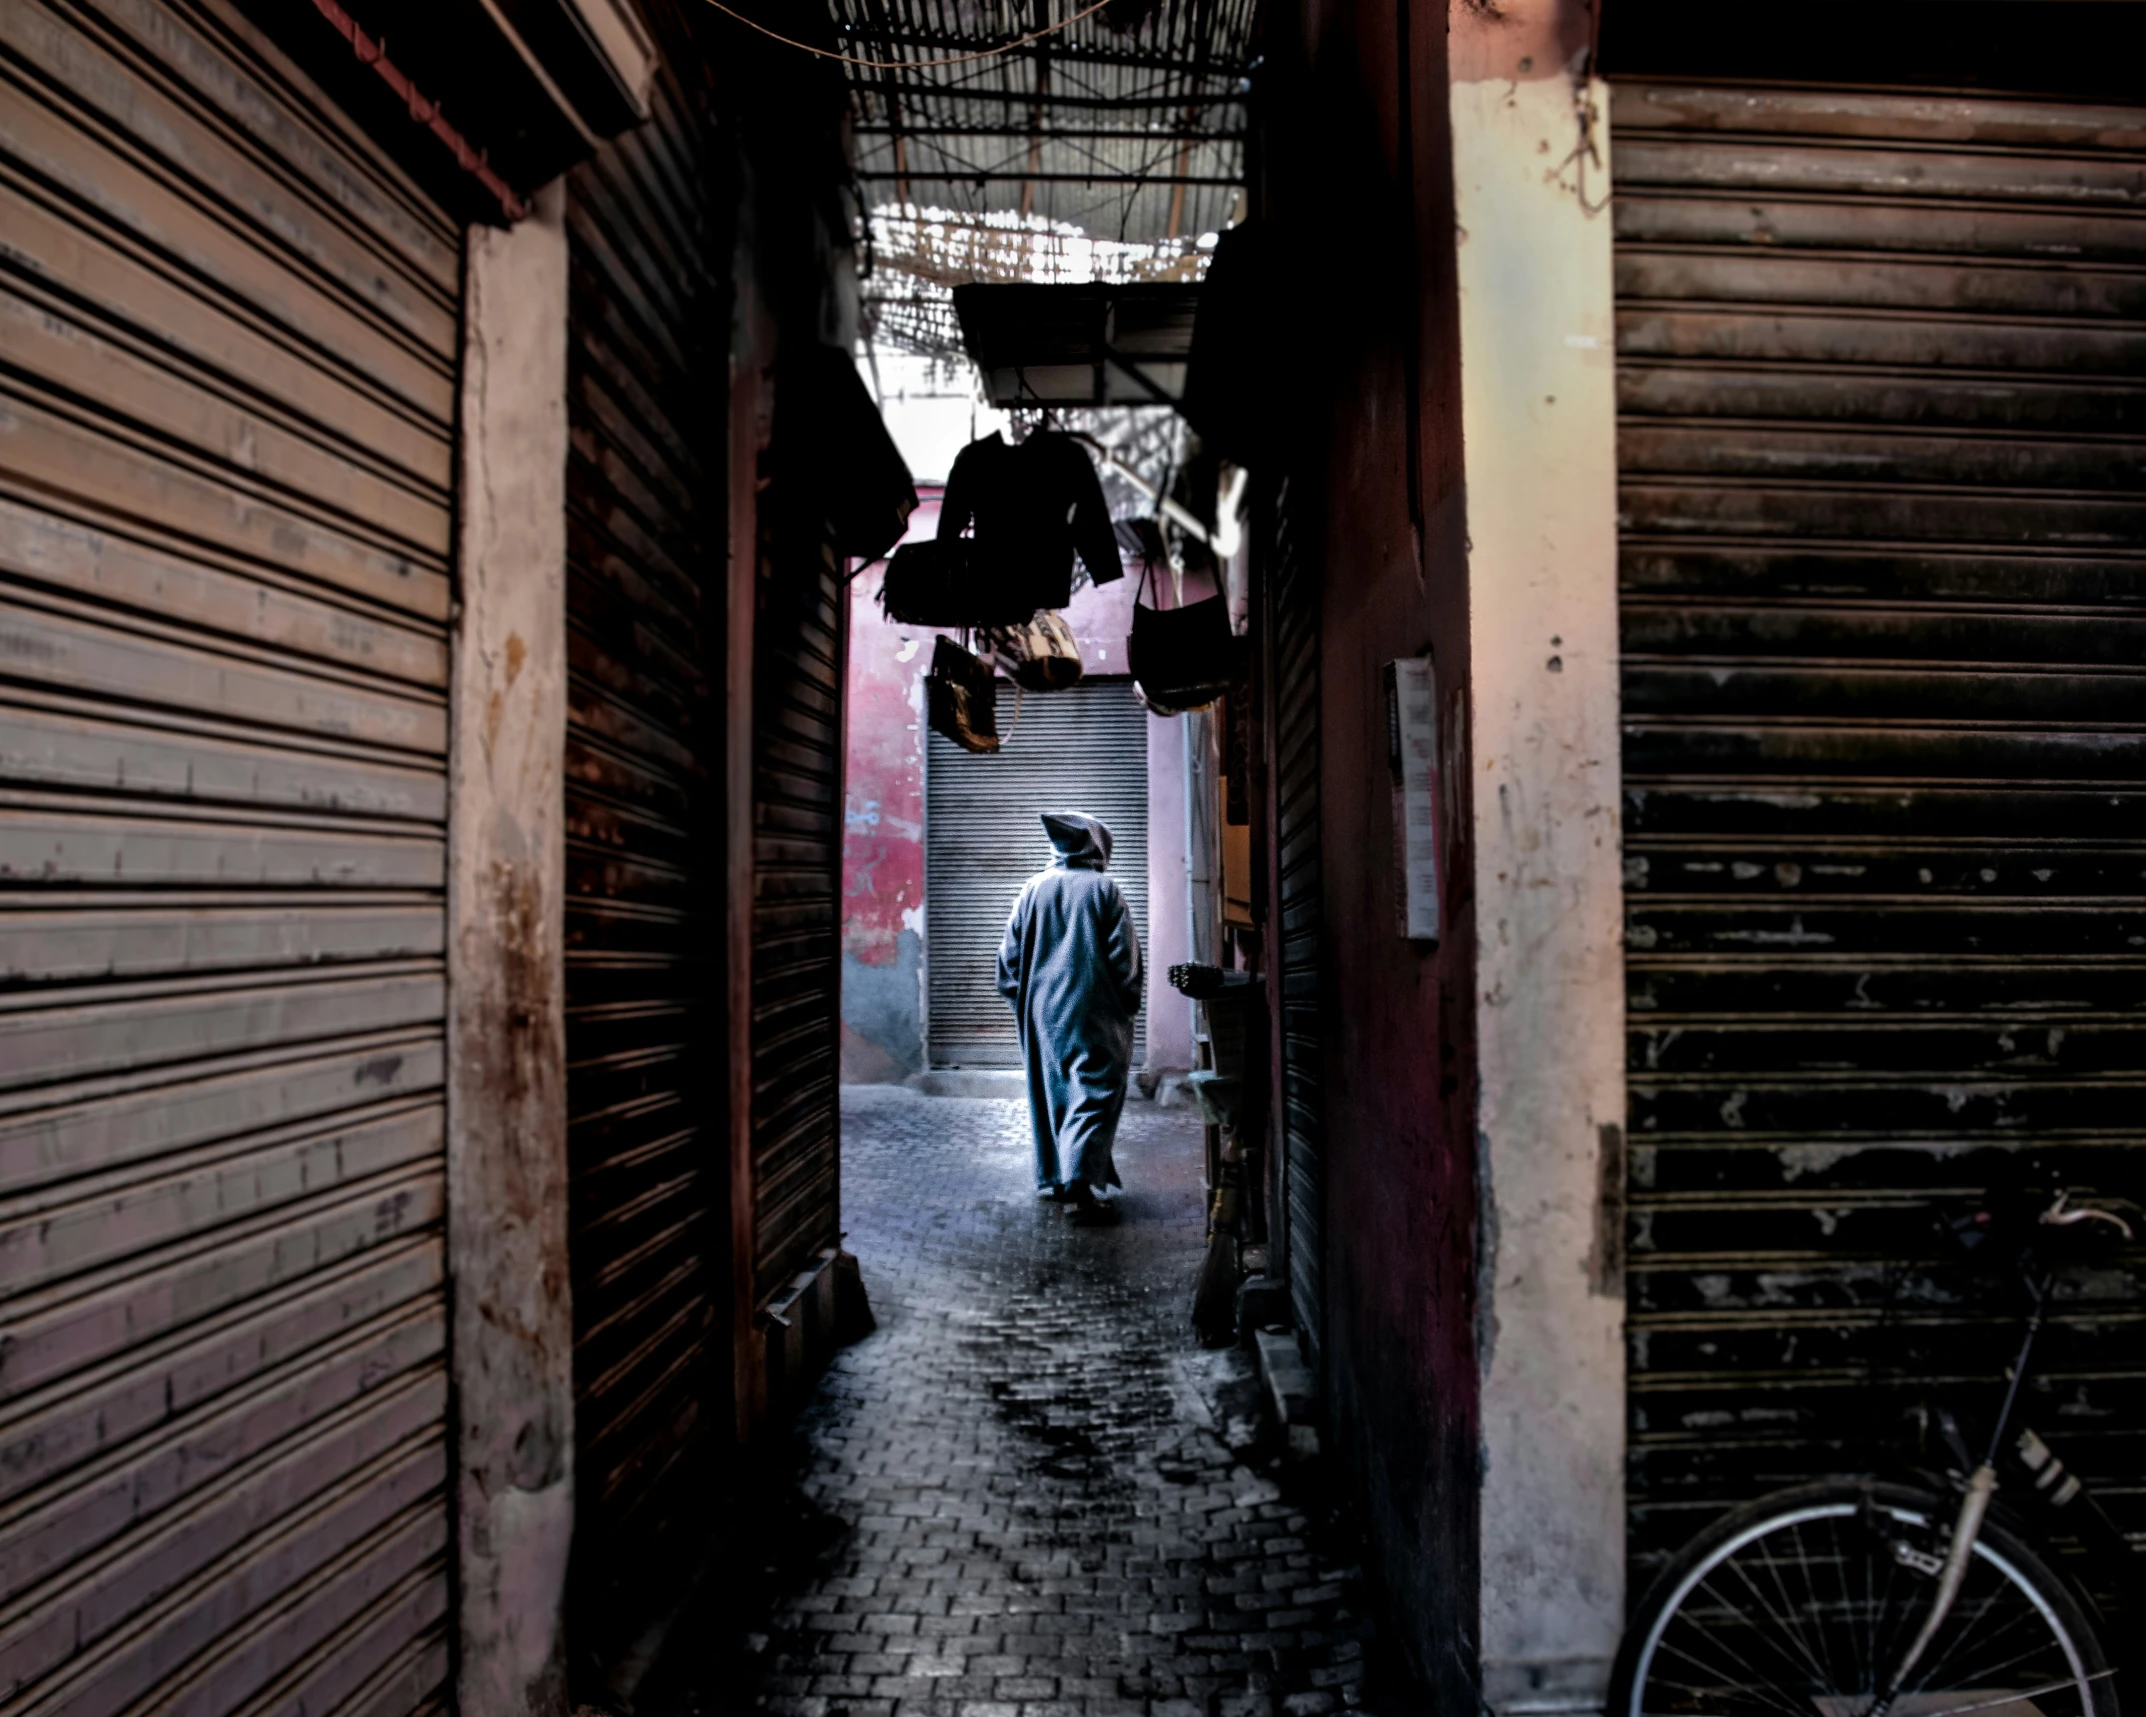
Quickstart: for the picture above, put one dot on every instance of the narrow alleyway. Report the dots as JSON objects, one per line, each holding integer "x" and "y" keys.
{"x": 1030, "y": 1494}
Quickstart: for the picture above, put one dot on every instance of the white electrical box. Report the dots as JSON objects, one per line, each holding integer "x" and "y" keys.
{"x": 1412, "y": 755}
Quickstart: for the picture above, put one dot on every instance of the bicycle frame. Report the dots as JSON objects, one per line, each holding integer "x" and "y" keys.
{"x": 2051, "y": 1484}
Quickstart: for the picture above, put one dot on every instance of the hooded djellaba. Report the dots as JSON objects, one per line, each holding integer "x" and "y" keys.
{"x": 1070, "y": 965}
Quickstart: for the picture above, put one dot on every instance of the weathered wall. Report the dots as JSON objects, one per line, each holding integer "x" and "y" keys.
{"x": 884, "y": 1021}
{"x": 1355, "y": 139}
{"x": 506, "y": 1031}
{"x": 1538, "y": 416}
{"x": 1465, "y": 444}
{"x": 883, "y": 835}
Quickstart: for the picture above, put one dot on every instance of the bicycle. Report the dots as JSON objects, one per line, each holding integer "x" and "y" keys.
{"x": 1915, "y": 1596}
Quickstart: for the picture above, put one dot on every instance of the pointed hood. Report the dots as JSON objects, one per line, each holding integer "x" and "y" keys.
{"x": 1082, "y": 841}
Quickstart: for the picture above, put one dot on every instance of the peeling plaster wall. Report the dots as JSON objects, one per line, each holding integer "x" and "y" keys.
{"x": 885, "y": 1025}
{"x": 506, "y": 1029}
{"x": 1530, "y": 149}
{"x": 1456, "y": 449}
{"x": 883, "y": 836}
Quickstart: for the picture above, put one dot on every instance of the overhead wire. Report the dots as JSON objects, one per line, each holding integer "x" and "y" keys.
{"x": 911, "y": 65}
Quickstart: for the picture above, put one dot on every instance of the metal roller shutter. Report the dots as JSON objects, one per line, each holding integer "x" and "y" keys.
{"x": 225, "y": 515}
{"x": 1084, "y": 749}
{"x": 1295, "y": 726}
{"x": 1882, "y": 385}
{"x": 797, "y": 892}
{"x": 645, "y": 886}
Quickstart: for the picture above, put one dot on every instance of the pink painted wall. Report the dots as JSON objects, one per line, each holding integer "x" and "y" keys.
{"x": 883, "y": 949}
{"x": 883, "y": 834}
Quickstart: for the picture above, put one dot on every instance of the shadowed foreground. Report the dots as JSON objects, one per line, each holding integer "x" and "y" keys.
{"x": 1029, "y": 1494}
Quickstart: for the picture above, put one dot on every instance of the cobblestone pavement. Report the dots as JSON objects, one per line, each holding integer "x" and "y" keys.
{"x": 1030, "y": 1494}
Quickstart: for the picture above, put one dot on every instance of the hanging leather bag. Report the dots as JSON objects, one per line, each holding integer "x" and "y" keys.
{"x": 1182, "y": 658}
{"x": 1041, "y": 656}
{"x": 961, "y": 698}
{"x": 946, "y": 582}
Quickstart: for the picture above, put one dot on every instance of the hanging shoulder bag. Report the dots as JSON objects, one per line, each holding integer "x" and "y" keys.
{"x": 1040, "y": 656}
{"x": 961, "y": 698}
{"x": 1182, "y": 658}
{"x": 946, "y": 582}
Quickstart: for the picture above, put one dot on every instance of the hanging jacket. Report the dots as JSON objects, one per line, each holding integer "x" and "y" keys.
{"x": 1034, "y": 504}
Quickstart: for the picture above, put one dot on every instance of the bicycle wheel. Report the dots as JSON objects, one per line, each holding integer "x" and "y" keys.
{"x": 1803, "y": 1603}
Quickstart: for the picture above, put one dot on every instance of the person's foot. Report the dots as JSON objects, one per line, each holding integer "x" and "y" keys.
{"x": 1088, "y": 1210}
{"x": 1049, "y": 1194}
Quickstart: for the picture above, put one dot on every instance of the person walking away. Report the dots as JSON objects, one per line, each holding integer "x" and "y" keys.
{"x": 1070, "y": 965}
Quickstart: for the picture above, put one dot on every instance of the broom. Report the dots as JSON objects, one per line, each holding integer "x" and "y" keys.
{"x": 1214, "y": 1297}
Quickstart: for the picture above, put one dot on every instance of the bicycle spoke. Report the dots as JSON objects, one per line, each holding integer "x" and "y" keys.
{"x": 1785, "y": 1622}
{"x": 1840, "y": 1556}
{"x": 1720, "y": 1681}
{"x": 1747, "y": 1677}
{"x": 2025, "y": 1693}
{"x": 1967, "y": 1627}
{"x": 2039, "y": 1648}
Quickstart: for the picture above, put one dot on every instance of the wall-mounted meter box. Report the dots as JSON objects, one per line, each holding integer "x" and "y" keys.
{"x": 1412, "y": 756}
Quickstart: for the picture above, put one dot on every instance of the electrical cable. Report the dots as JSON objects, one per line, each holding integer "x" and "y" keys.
{"x": 911, "y": 65}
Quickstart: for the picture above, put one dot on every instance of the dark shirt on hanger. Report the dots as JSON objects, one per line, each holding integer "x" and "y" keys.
{"x": 1034, "y": 504}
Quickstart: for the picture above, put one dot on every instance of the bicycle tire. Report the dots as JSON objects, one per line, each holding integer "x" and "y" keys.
{"x": 1806, "y": 1596}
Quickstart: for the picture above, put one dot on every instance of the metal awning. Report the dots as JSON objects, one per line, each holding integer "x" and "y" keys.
{"x": 1079, "y": 345}
{"x": 1128, "y": 125}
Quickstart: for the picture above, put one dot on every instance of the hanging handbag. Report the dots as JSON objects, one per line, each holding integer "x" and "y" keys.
{"x": 946, "y": 582}
{"x": 1040, "y": 656}
{"x": 961, "y": 698}
{"x": 1182, "y": 658}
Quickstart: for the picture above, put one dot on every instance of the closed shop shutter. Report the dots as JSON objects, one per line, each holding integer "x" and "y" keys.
{"x": 225, "y": 518}
{"x": 1295, "y": 628}
{"x": 1083, "y": 749}
{"x": 1882, "y": 440}
{"x": 646, "y": 1100}
{"x": 797, "y": 892}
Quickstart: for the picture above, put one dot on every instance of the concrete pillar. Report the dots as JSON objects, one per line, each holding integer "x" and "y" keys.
{"x": 1169, "y": 907}
{"x": 506, "y": 1033}
{"x": 1530, "y": 152}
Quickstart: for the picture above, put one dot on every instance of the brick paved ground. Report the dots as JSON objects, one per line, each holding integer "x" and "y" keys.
{"x": 1030, "y": 1494}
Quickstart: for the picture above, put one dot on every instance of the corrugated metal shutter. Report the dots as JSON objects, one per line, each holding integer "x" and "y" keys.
{"x": 645, "y": 887}
{"x": 225, "y": 519}
{"x": 797, "y": 893}
{"x": 1882, "y": 384}
{"x": 1295, "y": 725}
{"x": 1083, "y": 749}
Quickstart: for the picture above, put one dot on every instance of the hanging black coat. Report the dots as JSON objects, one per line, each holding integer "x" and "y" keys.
{"x": 1033, "y": 503}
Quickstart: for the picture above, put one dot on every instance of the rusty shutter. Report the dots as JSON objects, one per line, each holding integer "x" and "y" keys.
{"x": 225, "y": 459}
{"x": 645, "y": 895}
{"x": 801, "y": 634}
{"x": 1084, "y": 749}
{"x": 1882, "y": 442}
{"x": 1294, "y": 630}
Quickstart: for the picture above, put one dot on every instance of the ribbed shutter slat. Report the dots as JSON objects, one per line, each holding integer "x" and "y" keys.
{"x": 1084, "y": 749}
{"x": 1294, "y": 605}
{"x": 226, "y": 482}
{"x": 645, "y": 888}
{"x": 1882, "y": 394}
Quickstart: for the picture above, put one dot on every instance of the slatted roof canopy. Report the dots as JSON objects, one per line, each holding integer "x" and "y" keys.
{"x": 1079, "y": 345}
{"x": 1128, "y": 125}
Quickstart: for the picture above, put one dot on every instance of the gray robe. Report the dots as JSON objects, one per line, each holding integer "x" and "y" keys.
{"x": 1070, "y": 964}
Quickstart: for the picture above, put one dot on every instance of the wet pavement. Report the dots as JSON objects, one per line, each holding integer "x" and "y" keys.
{"x": 1030, "y": 1494}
